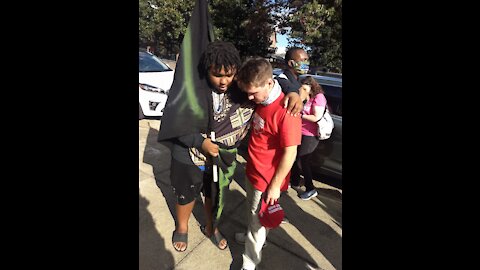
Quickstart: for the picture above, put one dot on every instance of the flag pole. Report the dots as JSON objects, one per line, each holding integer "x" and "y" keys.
{"x": 215, "y": 171}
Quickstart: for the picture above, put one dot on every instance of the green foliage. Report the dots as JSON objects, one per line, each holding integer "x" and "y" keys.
{"x": 163, "y": 25}
{"x": 249, "y": 24}
{"x": 318, "y": 25}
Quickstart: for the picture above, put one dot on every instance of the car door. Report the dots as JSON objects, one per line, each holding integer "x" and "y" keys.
{"x": 327, "y": 157}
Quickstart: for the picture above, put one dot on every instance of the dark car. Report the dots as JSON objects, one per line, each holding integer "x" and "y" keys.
{"x": 327, "y": 157}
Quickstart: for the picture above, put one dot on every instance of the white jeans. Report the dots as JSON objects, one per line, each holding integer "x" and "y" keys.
{"x": 256, "y": 233}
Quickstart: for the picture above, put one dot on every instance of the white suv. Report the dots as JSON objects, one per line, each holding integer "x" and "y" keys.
{"x": 154, "y": 81}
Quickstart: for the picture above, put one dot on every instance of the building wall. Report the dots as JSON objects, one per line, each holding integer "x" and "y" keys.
{"x": 273, "y": 39}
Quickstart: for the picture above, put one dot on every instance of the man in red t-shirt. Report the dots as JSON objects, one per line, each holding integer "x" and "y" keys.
{"x": 272, "y": 149}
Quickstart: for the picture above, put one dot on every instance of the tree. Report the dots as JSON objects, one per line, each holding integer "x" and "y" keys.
{"x": 318, "y": 26}
{"x": 248, "y": 24}
{"x": 162, "y": 24}
{"x": 313, "y": 24}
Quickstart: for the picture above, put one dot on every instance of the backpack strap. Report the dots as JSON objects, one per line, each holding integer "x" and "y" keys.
{"x": 324, "y": 111}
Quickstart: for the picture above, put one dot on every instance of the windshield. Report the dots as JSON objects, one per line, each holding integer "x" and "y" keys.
{"x": 150, "y": 63}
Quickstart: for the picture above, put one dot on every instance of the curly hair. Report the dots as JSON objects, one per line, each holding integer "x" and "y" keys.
{"x": 314, "y": 85}
{"x": 220, "y": 54}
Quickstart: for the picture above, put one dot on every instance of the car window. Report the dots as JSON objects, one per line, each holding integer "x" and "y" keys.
{"x": 150, "y": 63}
{"x": 332, "y": 85}
{"x": 333, "y": 94}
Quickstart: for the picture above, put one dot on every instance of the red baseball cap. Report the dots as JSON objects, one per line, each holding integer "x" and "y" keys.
{"x": 270, "y": 216}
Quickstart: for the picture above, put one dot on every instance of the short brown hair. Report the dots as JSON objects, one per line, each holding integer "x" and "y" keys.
{"x": 255, "y": 71}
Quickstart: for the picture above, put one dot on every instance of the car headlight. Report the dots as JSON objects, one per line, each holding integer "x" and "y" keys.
{"x": 151, "y": 88}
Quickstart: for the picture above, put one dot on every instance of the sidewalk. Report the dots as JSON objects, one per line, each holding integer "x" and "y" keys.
{"x": 319, "y": 218}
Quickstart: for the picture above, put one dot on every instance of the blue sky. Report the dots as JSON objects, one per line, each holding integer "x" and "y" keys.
{"x": 281, "y": 43}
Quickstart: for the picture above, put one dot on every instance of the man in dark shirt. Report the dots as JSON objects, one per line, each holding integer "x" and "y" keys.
{"x": 297, "y": 63}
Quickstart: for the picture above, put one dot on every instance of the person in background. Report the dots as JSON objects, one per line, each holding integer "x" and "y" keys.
{"x": 272, "y": 147}
{"x": 315, "y": 103}
{"x": 296, "y": 60}
{"x": 297, "y": 63}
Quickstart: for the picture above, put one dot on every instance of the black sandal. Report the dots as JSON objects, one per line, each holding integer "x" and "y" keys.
{"x": 215, "y": 237}
{"x": 178, "y": 238}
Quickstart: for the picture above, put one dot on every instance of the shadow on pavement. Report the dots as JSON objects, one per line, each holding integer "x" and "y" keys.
{"x": 158, "y": 156}
{"x": 329, "y": 203}
{"x": 235, "y": 220}
{"x": 318, "y": 233}
{"x": 310, "y": 226}
{"x": 326, "y": 179}
{"x": 152, "y": 254}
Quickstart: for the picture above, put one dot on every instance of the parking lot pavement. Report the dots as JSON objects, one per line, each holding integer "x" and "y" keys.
{"x": 311, "y": 240}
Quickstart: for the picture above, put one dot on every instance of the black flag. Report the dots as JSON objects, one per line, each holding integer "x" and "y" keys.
{"x": 186, "y": 110}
